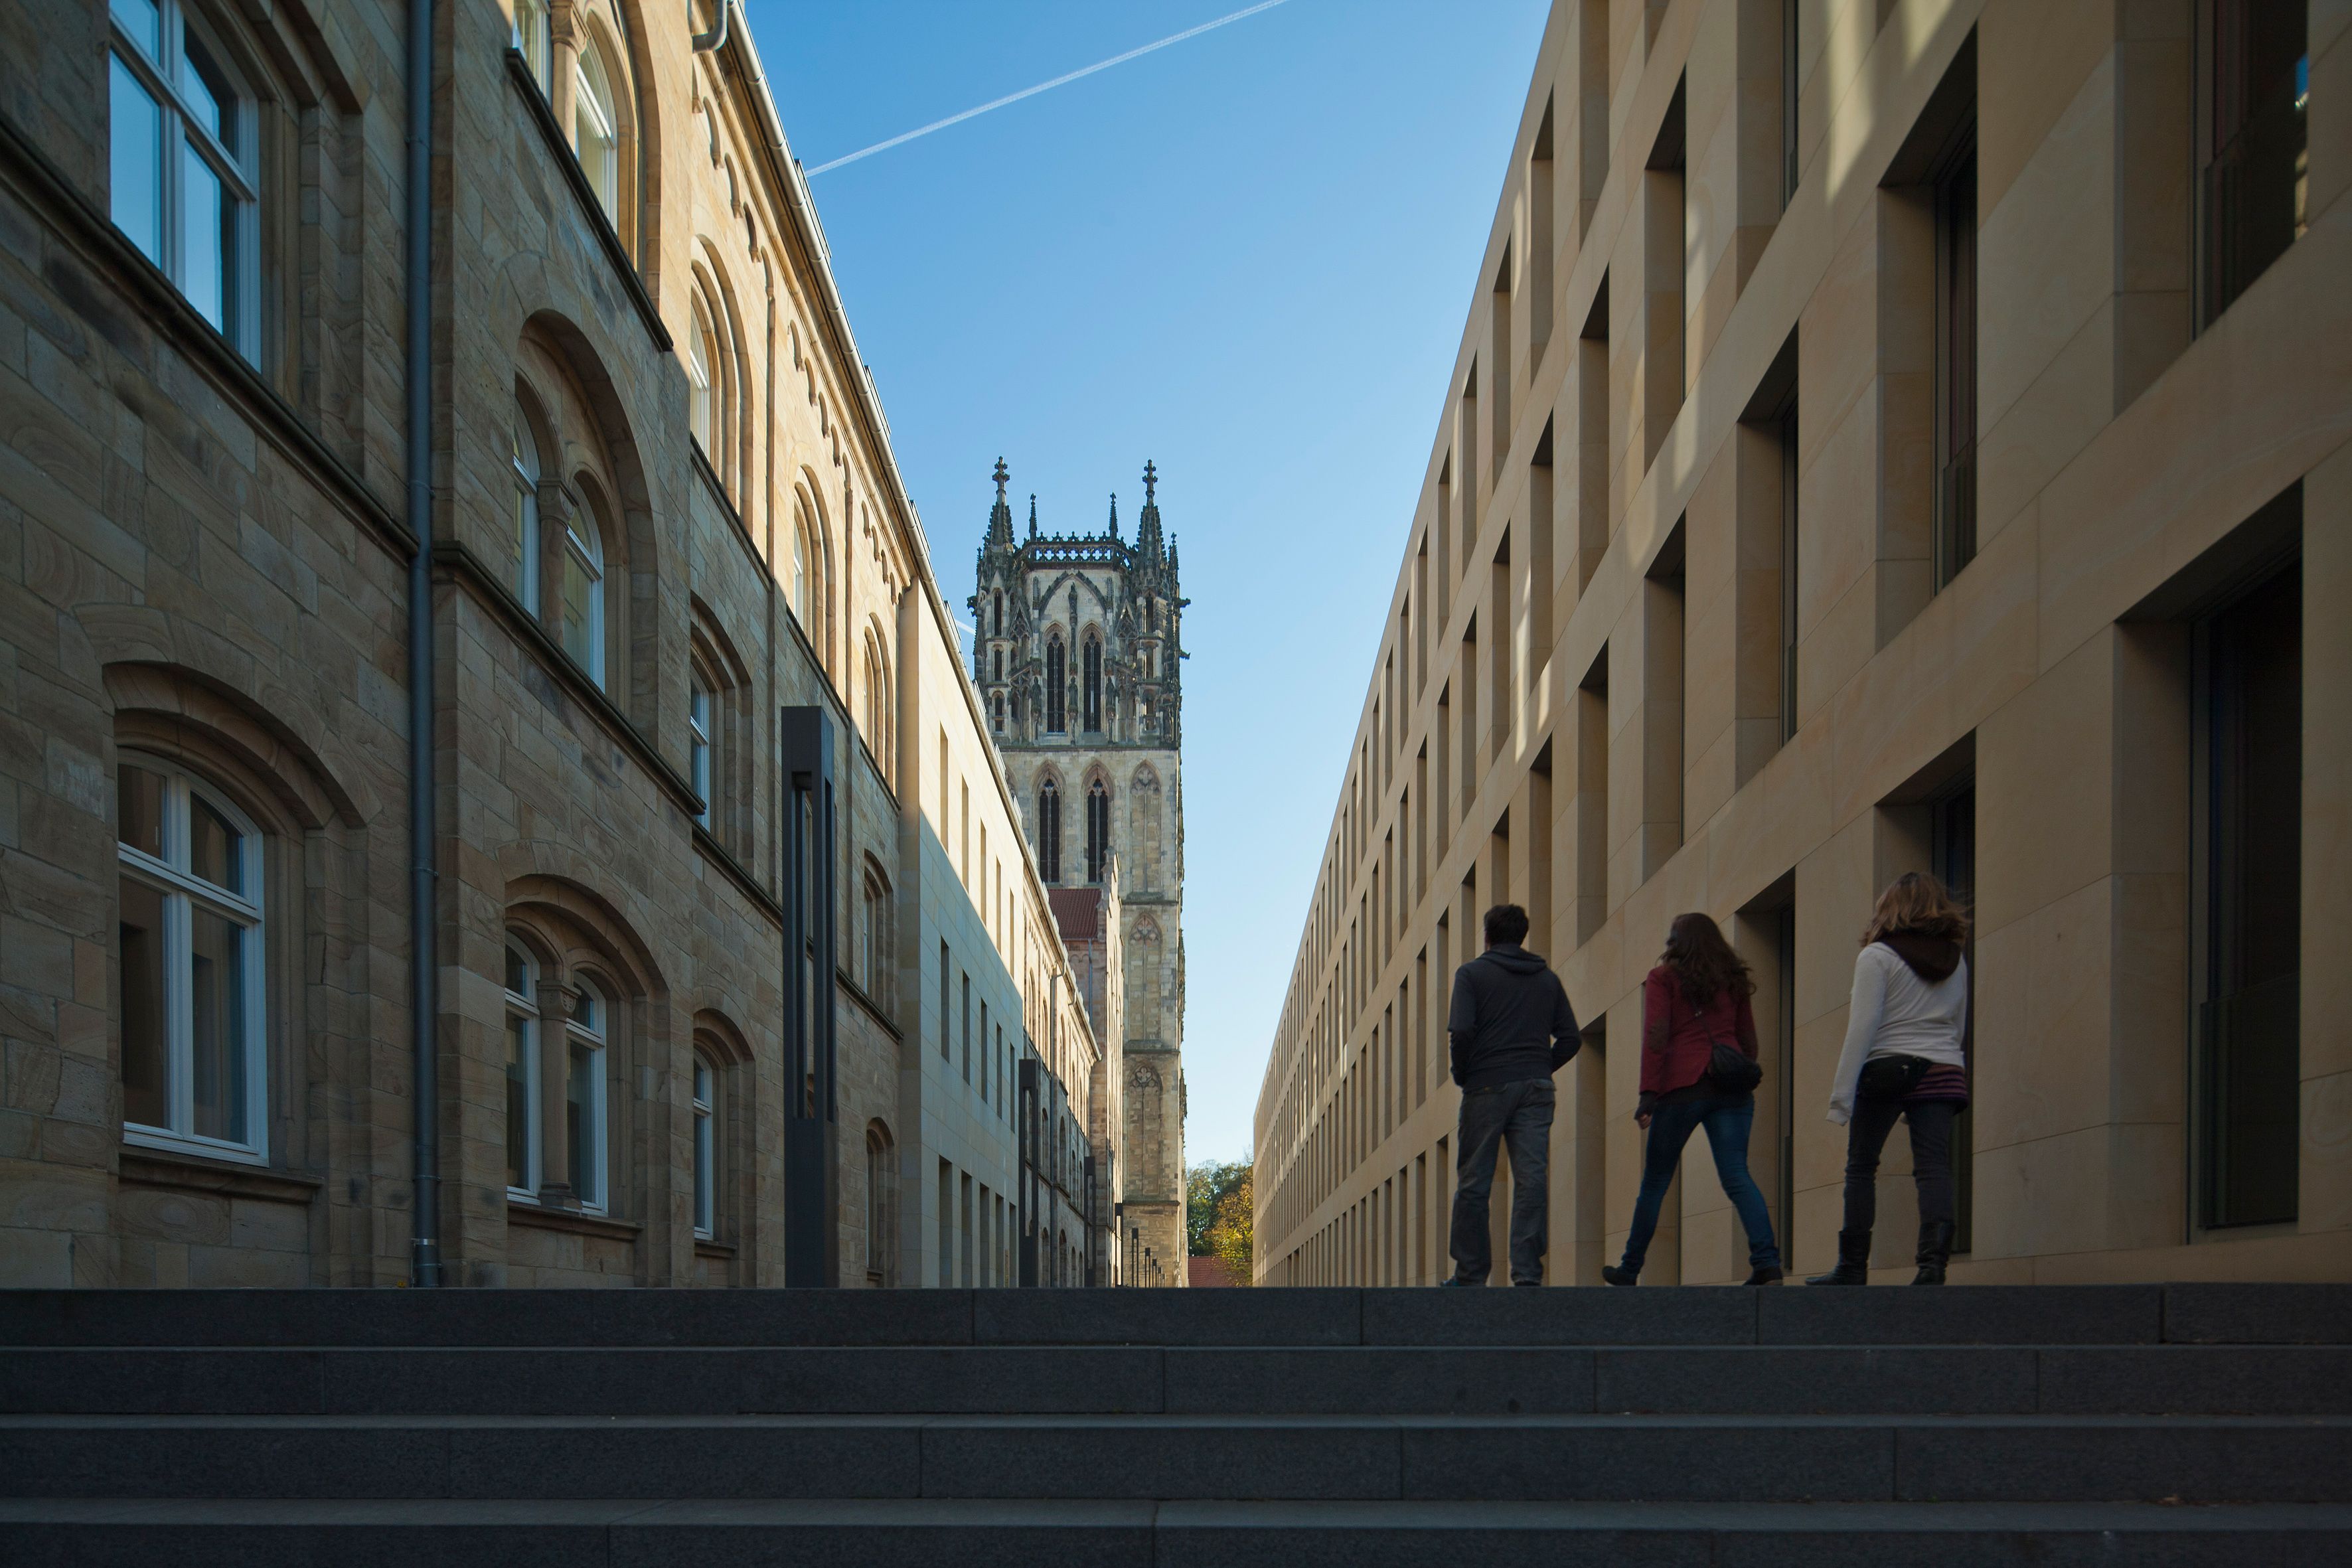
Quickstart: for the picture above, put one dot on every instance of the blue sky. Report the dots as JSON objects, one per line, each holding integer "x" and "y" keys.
{"x": 1246, "y": 256}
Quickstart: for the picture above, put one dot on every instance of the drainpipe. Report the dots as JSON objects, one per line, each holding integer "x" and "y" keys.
{"x": 423, "y": 989}
{"x": 717, "y": 37}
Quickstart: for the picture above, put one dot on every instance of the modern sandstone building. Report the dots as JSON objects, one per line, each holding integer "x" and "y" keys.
{"x": 1887, "y": 434}
{"x": 731, "y": 966}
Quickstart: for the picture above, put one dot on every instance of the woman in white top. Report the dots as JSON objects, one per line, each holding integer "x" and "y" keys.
{"x": 1904, "y": 1056}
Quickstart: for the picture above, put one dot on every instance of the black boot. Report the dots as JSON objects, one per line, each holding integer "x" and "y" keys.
{"x": 1616, "y": 1276}
{"x": 1765, "y": 1274}
{"x": 1935, "y": 1251}
{"x": 1854, "y": 1261}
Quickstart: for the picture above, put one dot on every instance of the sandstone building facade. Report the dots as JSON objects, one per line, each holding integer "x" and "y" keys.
{"x": 1885, "y": 434}
{"x": 1077, "y": 656}
{"x": 665, "y": 517}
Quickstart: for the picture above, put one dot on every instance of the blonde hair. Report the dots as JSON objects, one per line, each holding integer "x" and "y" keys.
{"x": 1917, "y": 903}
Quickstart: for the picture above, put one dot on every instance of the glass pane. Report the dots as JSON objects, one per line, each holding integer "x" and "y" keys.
{"x": 704, "y": 1183}
{"x": 215, "y": 849}
{"x": 702, "y": 1082}
{"x": 135, "y": 135}
{"x": 578, "y": 590}
{"x": 581, "y": 1127}
{"x": 143, "y": 21}
{"x": 206, "y": 214}
{"x": 139, "y": 803}
{"x": 146, "y": 1053}
{"x": 518, "y": 1101}
{"x": 205, "y": 88}
{"x": 517, "y": 974}
{"x": 216, "y": 989}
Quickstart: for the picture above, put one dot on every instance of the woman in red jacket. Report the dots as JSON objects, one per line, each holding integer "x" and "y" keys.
{"x": 1695, "y": 998}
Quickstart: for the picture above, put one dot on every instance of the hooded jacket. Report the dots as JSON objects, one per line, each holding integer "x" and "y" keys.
{"x": 1509, "y": 1019}
{"x": 1911, "y": 999}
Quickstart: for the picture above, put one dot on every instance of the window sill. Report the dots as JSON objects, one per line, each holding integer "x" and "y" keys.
{"x": 145, "y": 1166}
{"x": 704, "y": 1247}
{"x": 572, "y": 1220}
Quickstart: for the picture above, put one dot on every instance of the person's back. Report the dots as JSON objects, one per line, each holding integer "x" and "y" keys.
{"x": 1508, "y": 1028}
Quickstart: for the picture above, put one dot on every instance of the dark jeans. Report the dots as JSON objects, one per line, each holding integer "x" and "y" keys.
{"x": 1728, "y": 1120}
{"x": 1931, "y": 1157}
{"x": 1520, "y": 1112}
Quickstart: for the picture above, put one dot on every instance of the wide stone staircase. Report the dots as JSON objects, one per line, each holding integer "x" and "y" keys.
{"x": 2117, "y": 1424}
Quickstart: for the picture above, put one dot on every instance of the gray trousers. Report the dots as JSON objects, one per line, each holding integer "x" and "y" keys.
{"x": 1519, "y": 1113}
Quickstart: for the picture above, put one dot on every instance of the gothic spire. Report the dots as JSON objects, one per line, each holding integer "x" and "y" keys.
{"x": 1032, "y": 514}
{"x": 1000, "y": 516}
{"x": 1114, "y": 514}
{"x": 1147, "y": 526}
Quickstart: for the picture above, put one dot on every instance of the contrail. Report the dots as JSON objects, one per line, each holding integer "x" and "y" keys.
{"x": 1044, "y": 86}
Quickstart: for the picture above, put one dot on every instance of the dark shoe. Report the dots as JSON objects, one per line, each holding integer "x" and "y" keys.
{"x": 1616, "y": 1276}
{"x": 1766, "y": 1274}
{"x": 1527, "y": 1284}
{"x": 1455, "y": 1282}
{"x": 1854, "y": 1261}
{"x": 1935, "y": 1251}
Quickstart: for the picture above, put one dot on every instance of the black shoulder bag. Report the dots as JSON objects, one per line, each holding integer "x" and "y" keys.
{"x": 1732, "y": 1071}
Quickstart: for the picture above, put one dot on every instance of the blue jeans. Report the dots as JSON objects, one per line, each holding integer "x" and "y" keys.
{"x": 1728, "y": 1122}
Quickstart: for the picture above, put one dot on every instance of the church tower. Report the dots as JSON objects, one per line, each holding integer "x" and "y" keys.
{"x": 1077, "y": 652}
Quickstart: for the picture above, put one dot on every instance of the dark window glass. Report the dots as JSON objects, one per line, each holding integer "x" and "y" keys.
{"x": 1049, "y": 832}
{"x": 1097, "y": 830}
{"x": 2252, "y": 148}
{"x": 146, "y": 1054}
{"x": 2249, "y": 680}
{"x": 140, "y": 805}
{"x": 1057, "y": 688}
{"x": 1953, "y": 823}
{"x": 1789, "y": 574}
{"x": 1956, "y": 363}
{"x": 1094, "y": 684}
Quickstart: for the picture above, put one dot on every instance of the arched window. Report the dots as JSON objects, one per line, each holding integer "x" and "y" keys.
{"x": 595, "y": 129}
{"x": 705, "y": 1149}
{"x": 584, "y": 594}
{"x": 880, "y": 727}
{"x": 530, "y": 37}
{"x": 185, "y": 165}
{"x": 997, "y": 598}
{"x": 1094, "y": 722}
{"x": 191, "y": 984}
{"x": 1057, "y": 688}
{"x": 523, "y": 1071}
{"x": 702, "y": 729}
{"x": 881, "y": 1208}
{"x": 804, "y": 570}
{"x": 1049, "y": 832}
{"x": 1000, "y": 713}
{"x": 703, "y": 399}
{"x": 1098, "y": 829}
{"x": 584, "y": 1097}
{"x": 1000, "y": 664}
{"x": 526, "y": 514}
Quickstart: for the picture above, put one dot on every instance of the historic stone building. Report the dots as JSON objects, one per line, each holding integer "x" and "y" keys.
{"x": 1076, "y": 656}
{"x": 667, "y": 535}
{"x": 1885, "y": 434}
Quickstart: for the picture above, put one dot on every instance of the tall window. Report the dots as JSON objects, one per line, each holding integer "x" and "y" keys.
{"x": 879, "y": 1182}
{"x": 700, "y": 722}
{"x": 523, "y": 1071}
{"x": 874, "y": 957}
{"x": 702, "y": 402}
{"x": 2253, "y": 149}
{"x": 1057, "y": 688}
{"x": 804, "y": 569}
{"x": 526, "y": 515}
{"x": 997, "y": 599}
{"x": 584, "y": 1097}
{"x": 879, "y": 729}
{"x": 191, "y": 978}
{"x": 1000, "y": 664}
{"x": 2248, "y": 909}
{"x": 1094, "y": 720}
{"x": 1952, "y": 823}
{"x": 1049, "y": 832}
{"x": 1098, "y": 829}
{"x": 1956, "y": 361}
{"x": 583, "y": 595}
{"x": 1788, "y": 434}
{"x": 706, "y": 1151}
{"x": 184, "y": 159}
{"x": 530, "y": 37}
{"x": 1790, "y": 64}
{"x": 596, "y": 130}
{"x": 999, "y": 715}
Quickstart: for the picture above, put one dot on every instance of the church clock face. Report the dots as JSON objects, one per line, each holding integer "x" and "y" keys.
{"x": 1077, "y": 645}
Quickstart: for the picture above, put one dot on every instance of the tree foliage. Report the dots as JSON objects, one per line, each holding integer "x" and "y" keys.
{"x": 1217, "y": 1214}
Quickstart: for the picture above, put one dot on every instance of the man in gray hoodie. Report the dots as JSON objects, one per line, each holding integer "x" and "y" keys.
{"x": 1510, "y": 1028}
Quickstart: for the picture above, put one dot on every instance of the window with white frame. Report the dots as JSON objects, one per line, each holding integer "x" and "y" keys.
{"x": 184, "y": 156}
{"x": 583, "y": 595}
{"x": 874, "y": 961}
{"x": 700, "y": 721}
{"x": 706, "y": 1151}
{"x": 526, "y": 514}
{"x": 701, "y": 358}
{"x": 523, "y": 1071}
{"x": 584, "y": 1097}
{"x": 804, "y": 563}
{"x": 192, "y": 965}
{"x": 530, "y": 37}
{"x": 596, "y": 130}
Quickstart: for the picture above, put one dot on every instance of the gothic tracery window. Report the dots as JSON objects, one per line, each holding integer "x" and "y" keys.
{"x": 1093, "y": 715}
{"x": 1098, "y": 829}
{"x": 1049, "y": 832}
{"x": 1057, "y": 688}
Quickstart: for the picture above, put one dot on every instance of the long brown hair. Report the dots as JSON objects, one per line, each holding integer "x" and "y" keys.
{"x": 1703, "y": 962}
{"x": 1918, "y": 904}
